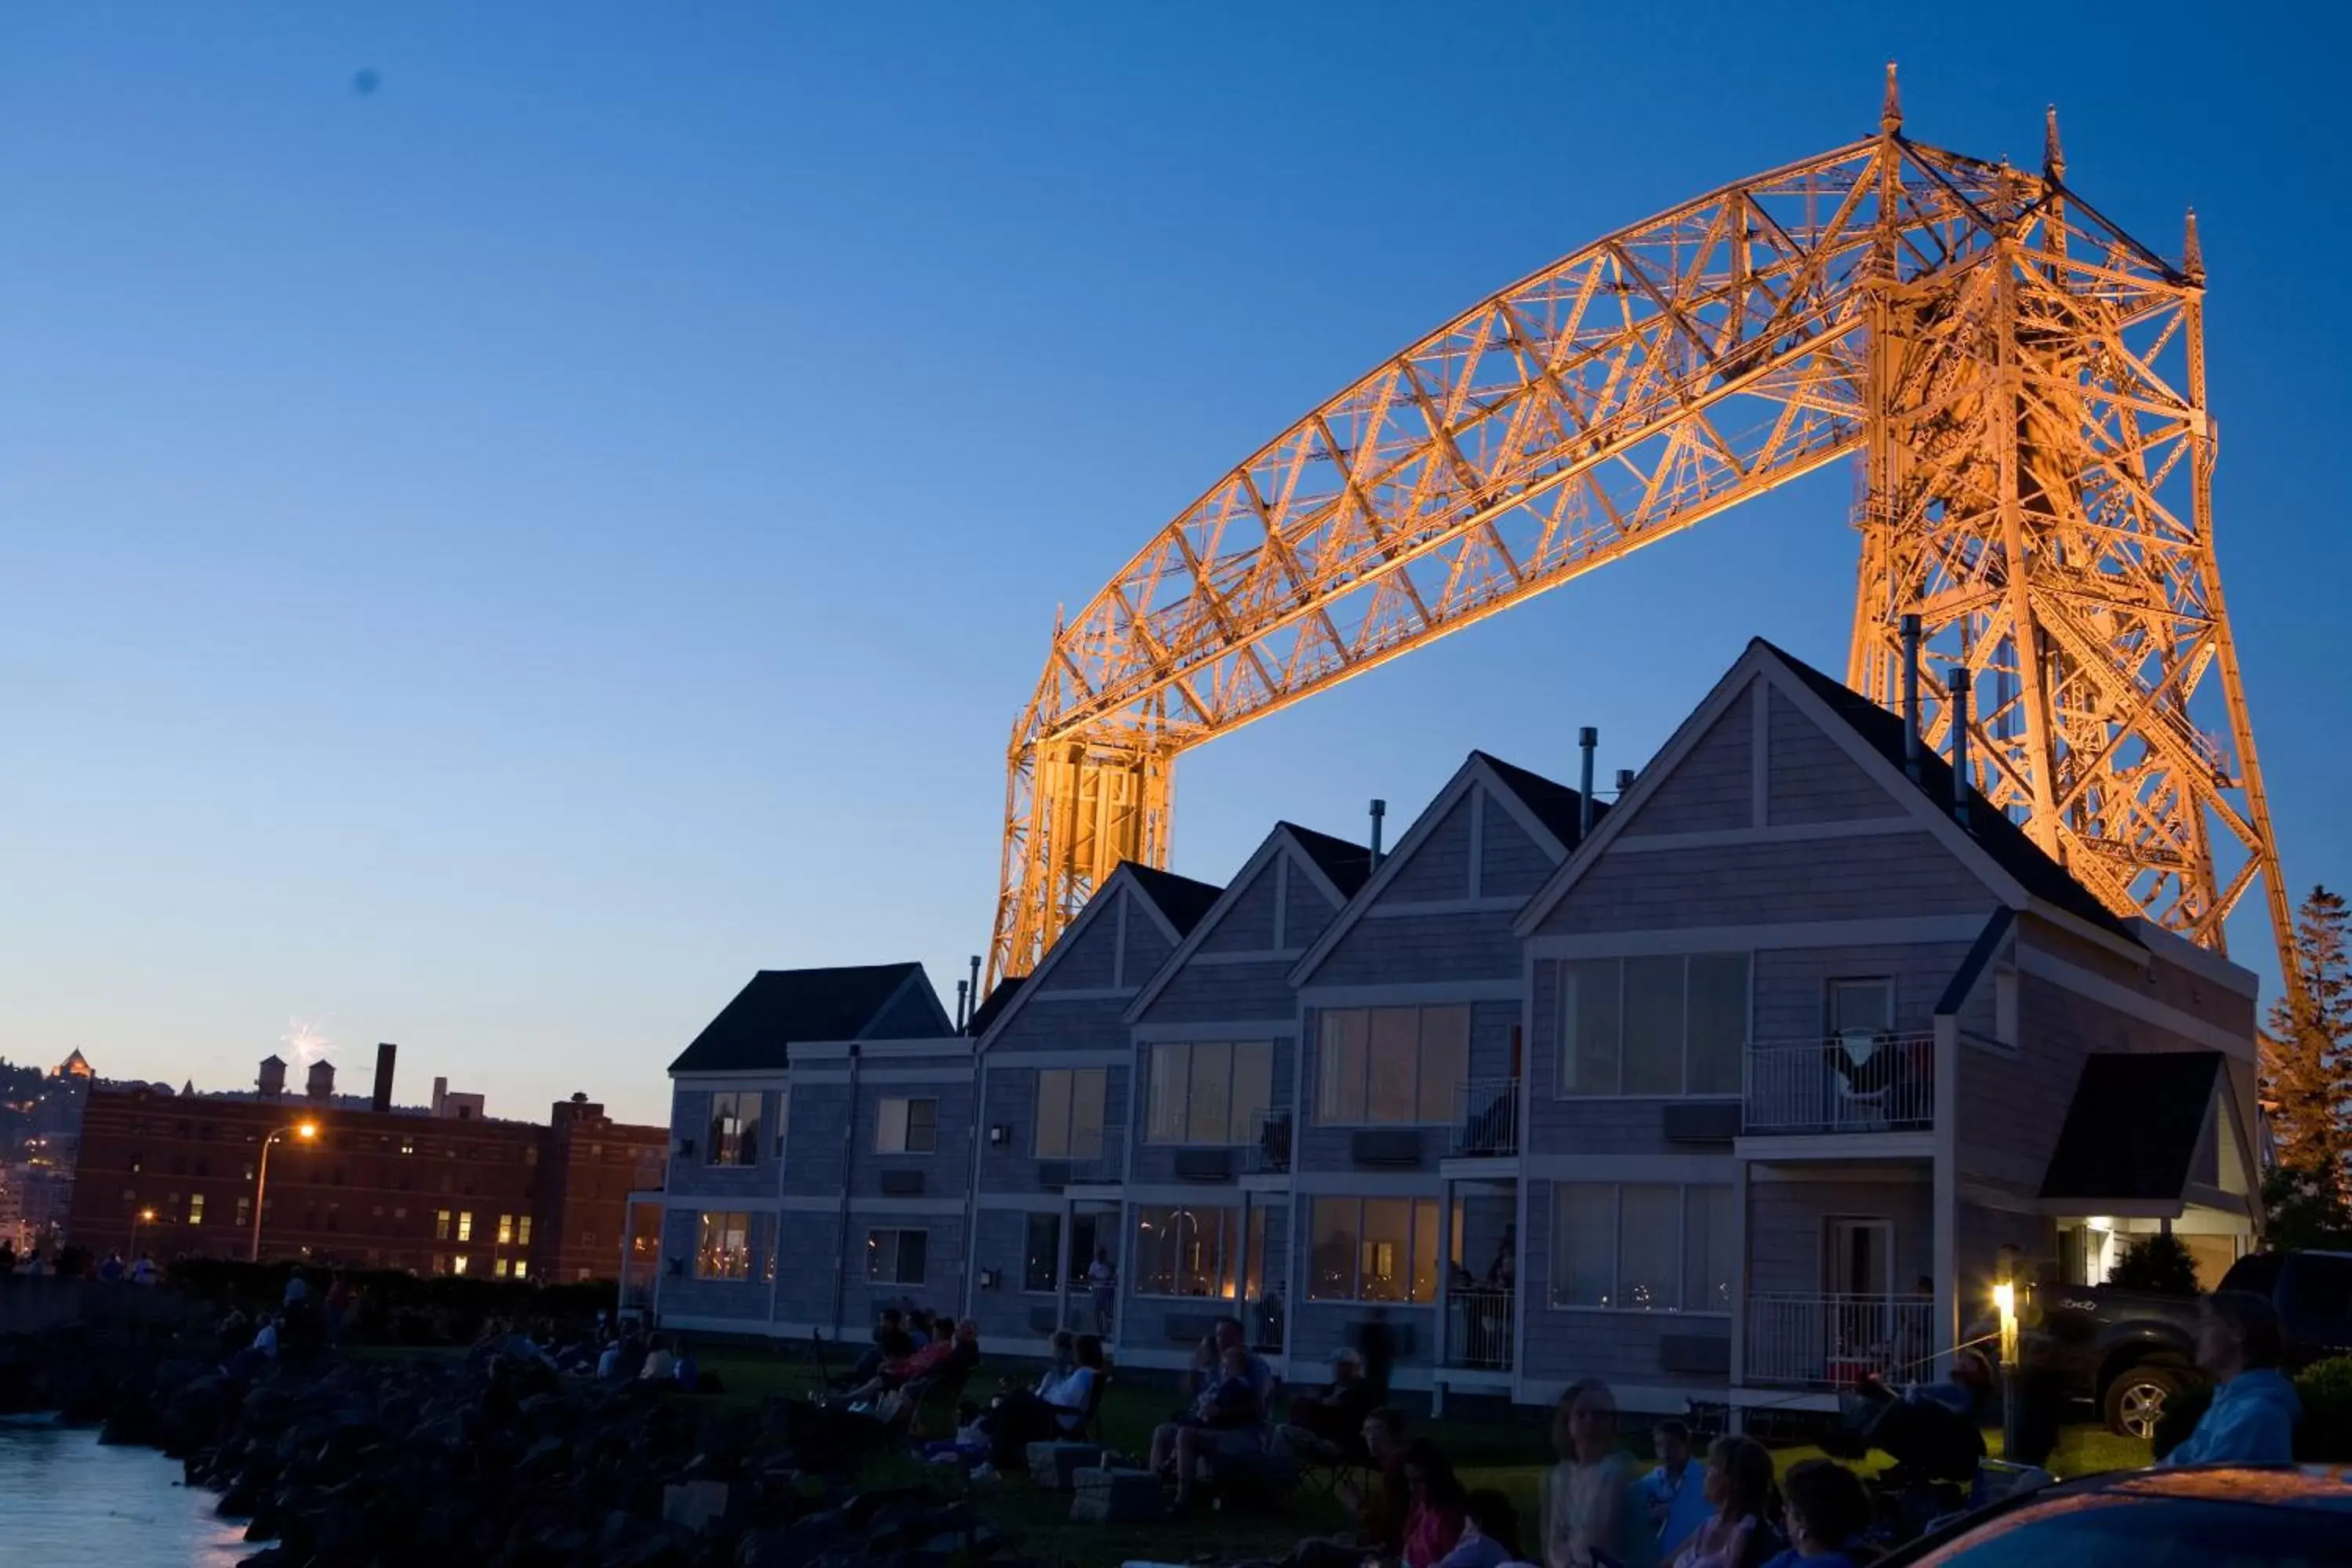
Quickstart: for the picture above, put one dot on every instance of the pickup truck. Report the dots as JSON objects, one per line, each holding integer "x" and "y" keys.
{"x": 2128, "y": 1352}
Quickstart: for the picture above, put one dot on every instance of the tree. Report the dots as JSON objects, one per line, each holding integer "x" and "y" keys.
{"x": 2159, "y": 1263}
{"x": 2310, "y": 1065}
{"x": 2306, "y": 1214}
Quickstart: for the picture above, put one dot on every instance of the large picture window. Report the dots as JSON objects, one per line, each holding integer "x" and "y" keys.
{"x": 1070, "y": 1113}
{"x": 1374, "y": 1249}
{"x": 722, "y": 1247}
{"x": 1210, "y": 1092}
{"x": 1643, "y": 1247}
{"x": 1389, "y": 1063}
{"x": 906, "y": 1127}
{"x": 1667, "y": 1026}
{"x": 1038, "y": 1268}
{"x": 896, "y": 1257}
{"x": 734, "y": 1129}
{"x": 1189, "y": 1250}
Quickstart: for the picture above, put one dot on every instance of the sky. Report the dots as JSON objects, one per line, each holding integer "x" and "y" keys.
{"x": 514, "y": 517}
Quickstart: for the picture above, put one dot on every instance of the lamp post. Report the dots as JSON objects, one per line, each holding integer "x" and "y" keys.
{"x": 305, "y": 1130}
{"x": 143, "y": 1216}
{"x": 2004, "y": 1300}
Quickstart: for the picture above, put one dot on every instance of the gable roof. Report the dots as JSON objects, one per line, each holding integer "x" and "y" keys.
{"x": 1341, "y": 866}
{"x": 1557, "y": 806}
{"x": 998, "y": 1000}
{"x": 781, "y": 1006}
{"x": 1181, "y": 899}
{"x": 1999, "y": 837}
{"x": 2133, "y": 1128}
{"x": 1347, "y": 866}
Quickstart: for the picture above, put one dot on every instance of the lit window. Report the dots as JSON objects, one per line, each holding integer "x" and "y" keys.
{"x": 723, "y": 1248}
{"x": 244, "y": 1211}
{"x": 1190, "y": 1251}
{"x": 734, "y": 1129}
{"x": 441, "y": 1225}
{"x": 499, "y": 1268}
{"x": 1374, "y": 1249}
{"x": 1650, "y": 1248}
{"x": 1070, "y": 1113}
{"x": 1213, "y": 1092}
{"x": 523, "y": 1231}
{"x": 518, "y": 1267}
{"x": 505, "y": 1230}
{"x": 457, "y": 1264}
{"x": 465, "y": 1224}
{"x": 908, "y": 1127}
{"x": 896, "y": 1257}
{"x": 195, "y": 1209}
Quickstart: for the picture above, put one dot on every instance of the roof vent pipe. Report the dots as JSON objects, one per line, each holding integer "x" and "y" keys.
{"x": 1911, "y": 697}
{"x": 963, "y": 999}
{"x": 1588, "y": 741}
{"x": 972, "y": 988}
{"x": 1379, "y": 810}
{"x": 1624, "y": 783}
{"x": 1959, "y": 689}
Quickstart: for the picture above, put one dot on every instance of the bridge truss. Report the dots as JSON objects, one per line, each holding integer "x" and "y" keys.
{"x": 2021, "y": 383}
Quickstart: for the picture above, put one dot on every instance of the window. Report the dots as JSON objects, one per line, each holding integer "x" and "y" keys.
{"x": 244, "y": 1211}
{"x": 499, "y": 1268}
{"x": 896, "y": 1257}
{"x": 1187, "y": 1251}
{"x": 1070, "y": 1113}
{"x": 724, "y": 1246}
{"x": 1648, "y": 1248}
{"x": 1040, "y": 1260}
{"x": 734, "y": 1129}
{"x": 908, "y": 1127}
{"x": 1670, "y": 1026}
{"x": 465, "y": 1224}
{"x": 505, "y": 1230}
{"x": 441, "y": 1225}
{"x": 1374, "y": 1249}
{"x": 518, "y": 1267}
{"x": 1860, "y": 1006}
{"x": 195, "y": 1209}
{"x": 523, "y": 1231}
{"x": 1390, "y": 1064}
{"x": 457, "y": 1264}
{"x": 1212, "y": 1092}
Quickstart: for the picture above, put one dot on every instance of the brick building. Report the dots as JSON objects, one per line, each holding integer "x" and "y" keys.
{"x": 438, "y": 1189}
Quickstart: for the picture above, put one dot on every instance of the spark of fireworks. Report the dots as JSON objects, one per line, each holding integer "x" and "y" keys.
{"x": 304, "y": 1042}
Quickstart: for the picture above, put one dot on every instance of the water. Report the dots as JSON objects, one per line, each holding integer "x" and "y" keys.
{"x": 66, "y": 1499}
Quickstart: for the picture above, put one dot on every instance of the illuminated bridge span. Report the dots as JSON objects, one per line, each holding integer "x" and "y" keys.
{"x": 2020, "y": 384}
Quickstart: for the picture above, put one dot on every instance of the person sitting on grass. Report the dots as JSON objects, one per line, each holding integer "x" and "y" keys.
{"x": 1327, "y": 1427}
{"x": 1737, "y": 1533}
{"x": 942, "y": 1358}
{"x": 1056, "y": 1408}
{"x": 890, "y": 1342}
{"x": 1825, "y": 1514}
{"x": 1435, "y": 1509}
{"x": 1378, "y": 1514}
{"x": 1228, "y": 1420}
{"x": 1678, "y": 1504}
{"x": 1592, "y": 1503}
{"x": 2252, "y": 1418}
{"x": 1490, "y": 1534}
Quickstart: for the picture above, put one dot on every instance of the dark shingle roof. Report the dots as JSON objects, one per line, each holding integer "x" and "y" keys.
{"x": 1555, "y": 805}
{"x": 1999, "y": 837}
{"x": 998, "y": 1001}
{"x": 781, "y": 1006}
{"x": 2133, "y": 1127}
{"x": 1348, "y": 866}
{"x": 1181, "y": 898}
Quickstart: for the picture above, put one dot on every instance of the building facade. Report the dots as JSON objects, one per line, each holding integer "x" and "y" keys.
{"x": 1756, "y": 1078}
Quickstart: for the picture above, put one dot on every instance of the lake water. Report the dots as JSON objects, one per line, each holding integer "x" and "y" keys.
{"x": 66, "y": 1499}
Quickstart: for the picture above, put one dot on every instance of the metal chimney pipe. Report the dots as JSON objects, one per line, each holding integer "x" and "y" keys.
{"x": 963, "y": 999}
{"x": 1624, "y": 781}
{"x": 1379, "y": 810}
{"x": 1911, "y": 697}
{"x": 1958, "y": 685}
{"x": 1588, "y": 741}
{"x": 384, "y": 1052}
{"x": 974, "y": 982}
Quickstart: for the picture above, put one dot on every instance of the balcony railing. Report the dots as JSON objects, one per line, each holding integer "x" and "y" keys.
{"x": 1865, "y": 1080}
{"x": 1833, "y": 1341}
{"x": 1486, "y": 1119}
{"x": 1270, "y": 1156}
{"x": 1478, "y": 1319}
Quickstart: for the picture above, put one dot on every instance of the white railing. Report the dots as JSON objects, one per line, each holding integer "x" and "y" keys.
{"x": 1863, "y": 1080}
{"x": 1833, "y": 1341}
{"x": 1485, "y": 1118}
{"x": 1270, "y": 1154}
{"x": 1478, "y": 1319}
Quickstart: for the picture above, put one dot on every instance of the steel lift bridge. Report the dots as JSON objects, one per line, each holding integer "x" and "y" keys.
{"x": 2021, "y": 383}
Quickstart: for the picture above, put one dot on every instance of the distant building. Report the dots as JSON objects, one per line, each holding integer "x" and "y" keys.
{"x": 379, "y": 1185}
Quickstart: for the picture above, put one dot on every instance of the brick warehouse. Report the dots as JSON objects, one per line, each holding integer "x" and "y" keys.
{"x": 437, "y": 1189}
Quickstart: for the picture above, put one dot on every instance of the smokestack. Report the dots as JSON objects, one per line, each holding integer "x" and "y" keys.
{"x": 1911, "y": 697}
{"x": 321, "y": 1082}
{"x": 1588, "y": 741}
{"x": 1624, "y": 782}
{"x": 1959, "y": 689}
{"x": 1379, "y": 810}
{"x": 963, "y": 999}
{"x": 272, "y": 1082}
{"x": 972, "y": 990}
{"x": 384, "y": 1052}
{"x": 440, "y": 1094}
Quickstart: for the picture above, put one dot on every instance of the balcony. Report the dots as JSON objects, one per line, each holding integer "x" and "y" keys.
{"x": 1861, "y": 1082}
{"x": 1478, "y": 1319}
{"x": 1832, "y": 1342}
{"x": 1485, "y": 1120}
{"x": 1270, "y": 1156}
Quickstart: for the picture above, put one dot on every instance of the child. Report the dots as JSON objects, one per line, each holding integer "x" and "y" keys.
{"x": 1592, "y": 1502}
{"x": 1490, "y": 1534}
{"x": 1738, "y": 1488}
{"x": 1826, "y": 1509}
{"x": 1677, "y": 1506}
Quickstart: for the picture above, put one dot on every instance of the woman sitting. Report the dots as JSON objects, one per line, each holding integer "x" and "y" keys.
{"x": 1056, "y": 1408}
{"x": 1435, "y": 1506}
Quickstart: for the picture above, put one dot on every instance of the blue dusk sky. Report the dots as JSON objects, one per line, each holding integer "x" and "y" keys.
{"x": 490, "y": 560}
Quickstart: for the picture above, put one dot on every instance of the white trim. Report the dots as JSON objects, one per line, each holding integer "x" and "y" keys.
{"x": 1688, "y": 1170}
{"x": 1200, "y": 1194}
{"x": 1783, "y": 833}
{"x": 1269, "y": 856}
{"x": 960, "y": 1073}
{"x": 1365, "y": 1184}
{"x": 1769, "y": 1147}
{"x": 1387, "y": 870}
{"x": 1283, "y": 955}
{"x": 1422, "y": 908}
{"x": 1759, "y": 757}
{"x": 1429, "y": 992}
{"x": 1912, "y": 931}
{"x": 1115, "y": 1057}
{"x": 1275, "y": 1030}
{"x": 2046, "y": 965}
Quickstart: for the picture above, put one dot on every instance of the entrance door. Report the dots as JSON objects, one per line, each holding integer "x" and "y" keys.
{"x": 1861, "y": 1259}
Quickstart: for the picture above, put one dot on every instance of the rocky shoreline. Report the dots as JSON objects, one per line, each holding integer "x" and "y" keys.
{"x": 358, "y": 1463}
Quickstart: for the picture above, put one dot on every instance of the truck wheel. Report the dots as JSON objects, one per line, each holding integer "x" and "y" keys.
{"x": 2136, "y": 1400}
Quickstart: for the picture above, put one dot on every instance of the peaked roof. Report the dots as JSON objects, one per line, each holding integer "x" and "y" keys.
{"x": 1557, "y": 806}
{"x": 2134, "y": 1126}
{"x": 1348, "y": 865}
{"x": 781, "y": 1006}
{"x": 1182, "y": 900}
{"x": 998, "y": 1000}
{"x": 1999, "y": 837}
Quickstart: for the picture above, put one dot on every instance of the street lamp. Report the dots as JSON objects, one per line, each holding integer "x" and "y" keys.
{"x": 2004, "y": 1303}
{"x": 305, "y": 1130}
{"x": 144, "y": 1216}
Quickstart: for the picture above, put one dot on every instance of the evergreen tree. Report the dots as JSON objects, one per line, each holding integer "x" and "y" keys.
{"x": 2310, "y": 1067}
